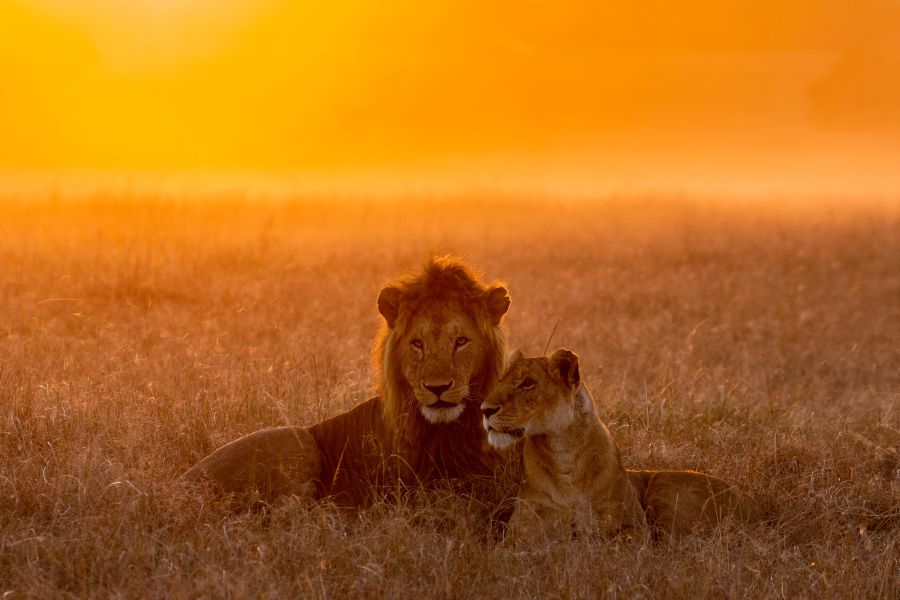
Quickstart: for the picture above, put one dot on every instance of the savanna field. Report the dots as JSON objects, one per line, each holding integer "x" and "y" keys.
{"x": 757, "y": 341}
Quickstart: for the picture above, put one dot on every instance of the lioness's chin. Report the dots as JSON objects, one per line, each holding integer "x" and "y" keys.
{"x": 500, "y": 440}
{"x": 442, "y": 415}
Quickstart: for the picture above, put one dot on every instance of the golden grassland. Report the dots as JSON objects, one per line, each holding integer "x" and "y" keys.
{"x": 758, "y": 342}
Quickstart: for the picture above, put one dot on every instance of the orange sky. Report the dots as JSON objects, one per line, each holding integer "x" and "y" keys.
{"x": 677, "y": 91}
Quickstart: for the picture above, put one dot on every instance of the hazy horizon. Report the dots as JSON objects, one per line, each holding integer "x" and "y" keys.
{"x": 703, "y": 95}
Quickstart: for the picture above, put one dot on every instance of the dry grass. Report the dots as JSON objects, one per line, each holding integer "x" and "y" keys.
{"x": 759, "y": 343}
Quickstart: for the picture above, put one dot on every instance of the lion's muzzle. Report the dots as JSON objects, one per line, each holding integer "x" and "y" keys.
{"x": 442, "y": 404}
{"x": 438, "y": 389}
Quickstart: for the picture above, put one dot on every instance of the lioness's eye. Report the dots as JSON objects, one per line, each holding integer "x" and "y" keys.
{"x": 417, "y": 343}
{"x": 527, "y": 383}
{"x": 461, "y": 341}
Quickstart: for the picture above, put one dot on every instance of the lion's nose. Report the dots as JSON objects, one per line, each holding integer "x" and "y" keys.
{"x": 437, "y": 390}
{"x": 489, "y": 410}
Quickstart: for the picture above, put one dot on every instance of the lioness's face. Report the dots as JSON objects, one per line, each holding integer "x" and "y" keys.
{"x": 534, "y": 397}
{"x": 442, "y": 350}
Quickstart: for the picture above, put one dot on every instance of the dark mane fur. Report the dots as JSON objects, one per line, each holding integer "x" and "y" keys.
{"x": 443, "y": 280}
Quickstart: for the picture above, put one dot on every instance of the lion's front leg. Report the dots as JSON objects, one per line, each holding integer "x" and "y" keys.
{"x": 266, "y": 464}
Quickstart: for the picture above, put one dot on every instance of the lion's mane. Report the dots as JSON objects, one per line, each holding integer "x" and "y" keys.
{"x": 443, "y": 280}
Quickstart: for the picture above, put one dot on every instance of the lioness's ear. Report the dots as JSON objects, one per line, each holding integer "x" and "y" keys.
{"x": 566, "y": 363}
{"x": 389, "y": 304}
{"x": 497, "y": 302}
{"x": 515, "y": 357}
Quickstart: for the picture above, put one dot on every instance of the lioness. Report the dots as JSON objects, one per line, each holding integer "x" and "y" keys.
{"x": 574, "y": 475}
{"x": 573, "y": 470}
{"x": 441, "y": 348}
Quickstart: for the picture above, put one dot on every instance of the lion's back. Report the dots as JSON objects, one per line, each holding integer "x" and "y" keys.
{"x": 354, "y": 448}
{"x": 263, "y": 465}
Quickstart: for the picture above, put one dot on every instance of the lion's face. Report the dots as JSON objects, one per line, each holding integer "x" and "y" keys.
{"x": 443, "y": 343}
{"x": 441, "y": 351}
{"x": 535, "y": 396}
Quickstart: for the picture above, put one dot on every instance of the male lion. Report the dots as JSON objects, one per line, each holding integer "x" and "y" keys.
{"x": 440, "y": 350}
{"x": 573, "y": 471}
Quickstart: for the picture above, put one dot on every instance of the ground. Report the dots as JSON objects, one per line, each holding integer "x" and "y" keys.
{"x": 755, "y": 340}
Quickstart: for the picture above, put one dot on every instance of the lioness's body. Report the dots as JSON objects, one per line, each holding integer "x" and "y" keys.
{"x": 678, "y": 502}
{"x": 574, "y": 473}
{"x": 439, "y": 352}
{"x": 574, "y": 478}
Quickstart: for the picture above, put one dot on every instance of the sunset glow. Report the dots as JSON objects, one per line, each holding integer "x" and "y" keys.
{"x": 674, "y": 92}
{"x": 266, "y": 265}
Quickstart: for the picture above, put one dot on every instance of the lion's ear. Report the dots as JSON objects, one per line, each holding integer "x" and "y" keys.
{"x": 389, "y": 305}
{"x": 497, "y": 302}
{"x": 566, "y": 363}
{"x": 515, "y": 357}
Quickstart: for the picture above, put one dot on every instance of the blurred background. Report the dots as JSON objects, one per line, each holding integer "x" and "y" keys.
{"x": 709, "y": 95}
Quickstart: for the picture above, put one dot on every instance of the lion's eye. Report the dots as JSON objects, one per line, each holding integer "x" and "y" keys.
{"x": 417, "y": 343}
{"x": 461, "y": 341}
{"x": 527, "y": 383}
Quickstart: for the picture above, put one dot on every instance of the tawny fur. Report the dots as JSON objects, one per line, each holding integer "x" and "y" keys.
{"x": 575, "y": 481}
{"x": 439, "y": 352}
{"x": 574, "y": 478}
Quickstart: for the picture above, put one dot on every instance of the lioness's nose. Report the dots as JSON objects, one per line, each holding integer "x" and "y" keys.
{"x": 489, "y": 410}
{"x": 437, "y": 390}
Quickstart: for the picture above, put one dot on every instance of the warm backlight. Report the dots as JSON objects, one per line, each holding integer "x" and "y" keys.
{"x": 703, "y": 89}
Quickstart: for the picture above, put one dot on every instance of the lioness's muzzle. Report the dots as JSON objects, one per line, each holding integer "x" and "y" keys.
{"x": 516, "y": 432}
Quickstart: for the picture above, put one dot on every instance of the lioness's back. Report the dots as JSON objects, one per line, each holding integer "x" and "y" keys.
{"x": 676, "y": 502}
